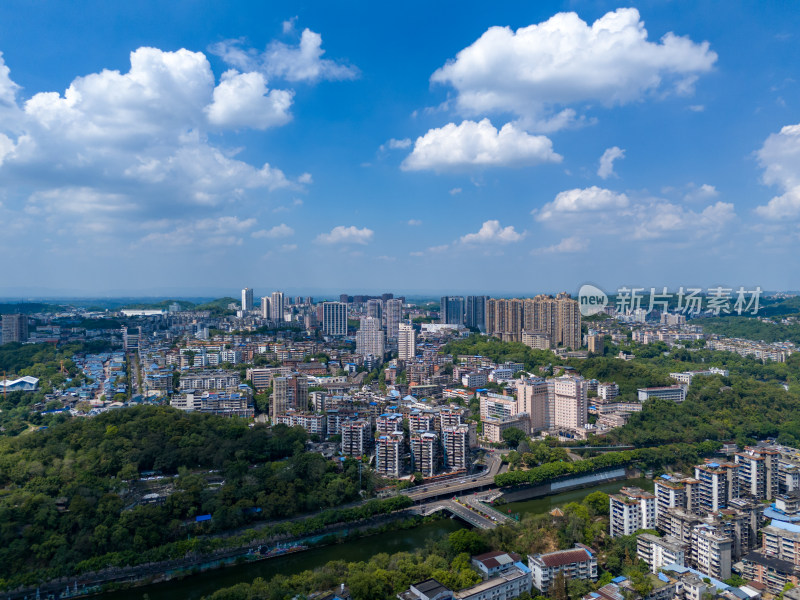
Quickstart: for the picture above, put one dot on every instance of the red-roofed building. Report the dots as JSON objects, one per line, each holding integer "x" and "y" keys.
{"x": 577, "y": 563}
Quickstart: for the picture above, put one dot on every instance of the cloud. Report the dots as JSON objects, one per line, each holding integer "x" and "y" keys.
{"x": 224, "y": 231}
{"x": 478, "y": 144}
{"x": 288, "y": 25}
{"x": 136, "y": 140}
{"x": 702, "y": 192}
{"x": 567, "y": 245}
{"x": 394, "y": 144}
{"x": 303, "y": 62}
{"x": 780, "y": 159}
{"x": 606, "y": 212}
{"x": 454, "y": 191}
{"x": 565, "y": 61}
{"x": 243, "y": 100}
{"x": 581, "y": 201}
{"x": 278, "y": 231}
{"x": 606, "y": 168}
{"x": 492, "y": 233}
{"x": 414, "y": 222}
{"x": 346, "y": 235}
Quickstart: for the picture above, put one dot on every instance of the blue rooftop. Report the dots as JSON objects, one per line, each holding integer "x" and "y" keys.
{"x": 663, "y": 578}
{"x": 522, "y": 567}
{"x": 619, "y": 579}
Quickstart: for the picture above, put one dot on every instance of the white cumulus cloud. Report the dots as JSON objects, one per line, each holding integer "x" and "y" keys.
{"x": 567, "y": 245}
{"x": 137, "y": 139}
{"x": 581, "y": 201}
{"x": 564, "y": 60}
{"x": 346, "y": 235}
{"x": 605, "y": 212}
{"x": 780, "y": 159}
{"x": 478, "y": 144}
{"x": 243, "y": 100}
{"x": 492, "y": 233}
{"x": 303, "y": 62}
{"x": 278, "y": 231}
{"x": 606, "y": 168}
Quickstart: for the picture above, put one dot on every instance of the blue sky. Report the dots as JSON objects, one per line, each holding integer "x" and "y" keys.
{"x": 514, "y": 147}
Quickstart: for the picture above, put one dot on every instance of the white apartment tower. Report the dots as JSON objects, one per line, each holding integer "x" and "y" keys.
{"x": 631, "y": 510}
{"x": 406, "y": 342}
{"x": 247, "y": 299}
{"x": 370, "y": 338}
{"x": 265, "y": 313}
{"x": 456, "y": 446}
{"x": 423, "y": 452}
{"x": 388, "y": 454}
{"x": 569, "y": 402}
{"x": 276, "y": 306}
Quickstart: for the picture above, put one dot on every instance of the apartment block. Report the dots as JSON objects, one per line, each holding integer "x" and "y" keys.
{"x": 455, "y": 443}
{"x": 631, "y": 510}
{"x": 506, "y": 586}
{"x": 758, "y": 472}
{"x": 718, "y": 485}
{"x": 658, "y": 552}
{"x": 577, "y": 563}
{"x": 356, "y": 437}
{"x": 313, "y": 423}
{"x": 288, "y": 393}
{"x": 711, "y": 552}
{"x": 424, "y": 452}
{"x": 569, "y": 402}
{"x": 406, "y": 342}
{"x": 674, "y": 491}
{"x": 389, "y": 422}
{"x": 533, "y": 398}
{"x": 334, "y": 319}
{"x": 675, "y": 393}
{"x": 493, "y": 428}
{"x": 388, "y": 454}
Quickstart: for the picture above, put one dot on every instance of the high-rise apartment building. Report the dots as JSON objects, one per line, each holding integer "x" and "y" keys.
{"x": 475, "y": 317}
{"x": 375, "y": 309}
{"x": 423, "y": 452}
{"x": 406, "y": 342}
{"x": 389, "y": 453}
{"x": 558, "y": 317}
{"x": 392, "y": 316}
{"x": 247, "y": 299}
{"x": 718, "y": 485}
{"x": 334, "y": 318}
{"x": 569, "y": 402}
{"x": 455, "y": 443}
{"x": 356, "y": 437}
{"x": 674, "y": 491}
{"x": 290, "y": 392}
{"x": 15, "y": 328}
{"x": 265, "y": 304}
{"x": 595, "y": 343}
{"x": 370, "y": 338}
{"x": 277, "y": 306}
{"x": 631, "y": 510}
{"x": 452, "y": 310}
{"x": 758, "y": 474}
{"x": 533, "y": 398}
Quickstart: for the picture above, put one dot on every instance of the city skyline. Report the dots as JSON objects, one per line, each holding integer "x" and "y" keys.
{"x": 149, "y": 148}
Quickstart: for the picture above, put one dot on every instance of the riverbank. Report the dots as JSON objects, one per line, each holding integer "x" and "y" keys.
{"x": 196, "y": 586}
{"x": 362, "y": 549}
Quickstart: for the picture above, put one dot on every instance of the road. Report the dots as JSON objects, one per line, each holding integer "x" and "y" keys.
{"x": 460, "y": 486}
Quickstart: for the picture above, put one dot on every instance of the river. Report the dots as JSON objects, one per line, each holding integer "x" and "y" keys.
{"x": 548, "y": 503}
{"x": 195, "y": 587}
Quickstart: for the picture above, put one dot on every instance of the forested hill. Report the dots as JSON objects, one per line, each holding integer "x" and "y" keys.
{"x": 72, "y": 492}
